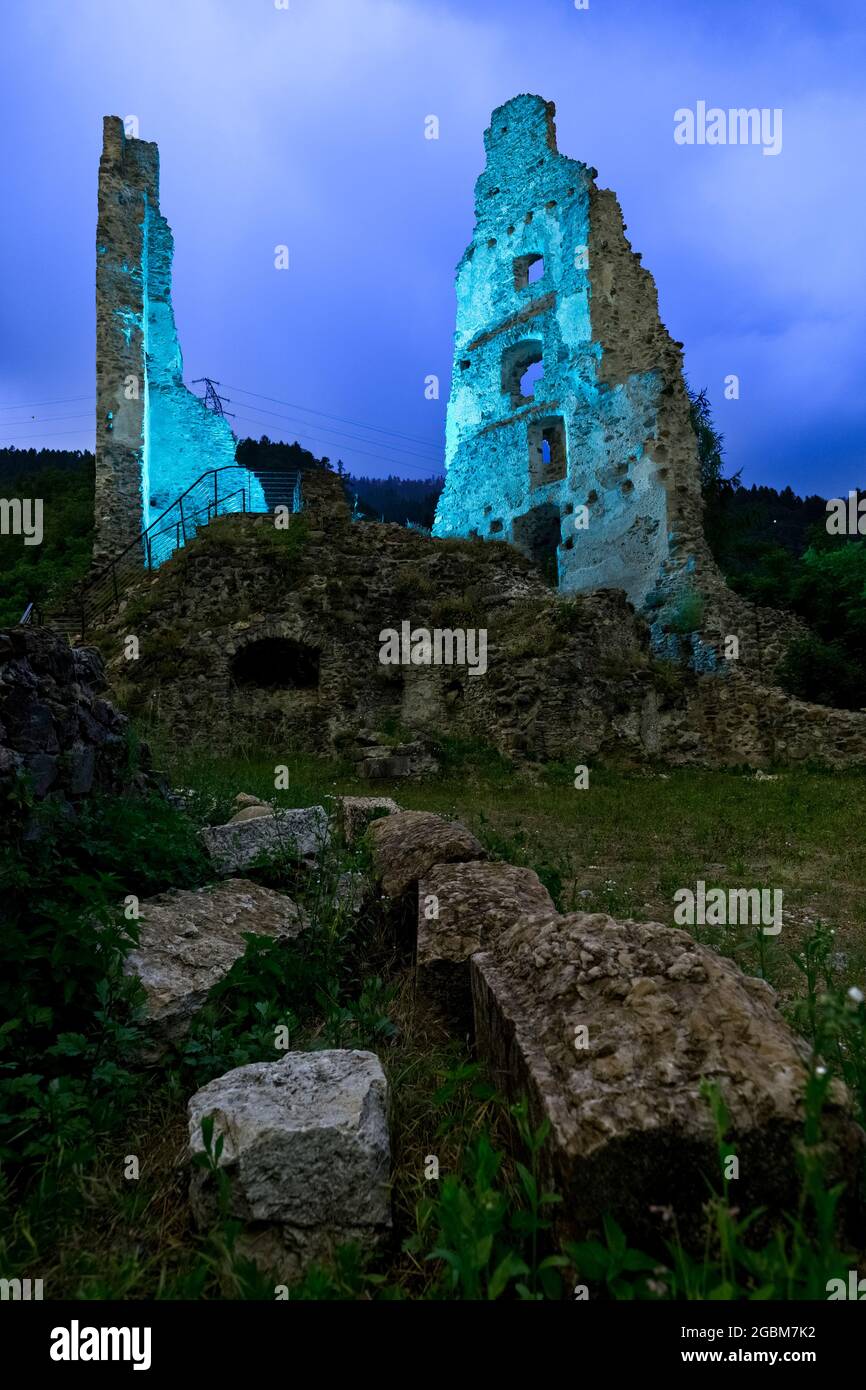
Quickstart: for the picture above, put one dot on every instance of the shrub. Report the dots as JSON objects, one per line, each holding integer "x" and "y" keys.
{"x": 688, "y": 612}
{"x": 823, "y": 672}
{"x": 69, "y": 1011}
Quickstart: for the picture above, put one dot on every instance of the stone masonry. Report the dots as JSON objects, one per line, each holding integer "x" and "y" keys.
{"x": 592, "y": 468}
{"x": 241, "y": 638}
{"x": 153, "y": 436}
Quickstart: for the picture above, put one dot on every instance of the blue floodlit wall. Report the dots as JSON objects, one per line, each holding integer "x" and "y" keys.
{"x": 154, "y": 437}
{"x": 607, "y": 425}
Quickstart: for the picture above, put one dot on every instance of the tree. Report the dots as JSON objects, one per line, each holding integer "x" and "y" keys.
{"x": 714, "y": 485}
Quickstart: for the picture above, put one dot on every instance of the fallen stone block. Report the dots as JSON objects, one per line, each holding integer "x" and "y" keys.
{"x": 407, "y": 845}
{"x": 355, "y": 813}
{"x": 405, "y": 760}
{"x": 254, "y": 812}
{"x": 609, "y": 1028}
{"x": 190, "y": 939}
{"x": 306, "y": 1153}
{"x": 461, "y": 909}
{"x": 234, "y": 846}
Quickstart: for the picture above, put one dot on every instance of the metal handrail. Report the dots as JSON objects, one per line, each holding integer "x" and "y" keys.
{"x": 133, "y": 544}
{"x": 148, "y": 550}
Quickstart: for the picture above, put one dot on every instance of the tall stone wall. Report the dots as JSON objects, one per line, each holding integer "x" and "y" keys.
{"x": 607, "y": 427}
{"x": 153, "y": 436}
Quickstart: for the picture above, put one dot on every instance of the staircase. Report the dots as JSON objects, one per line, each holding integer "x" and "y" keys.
{"x": 215, "y": 493}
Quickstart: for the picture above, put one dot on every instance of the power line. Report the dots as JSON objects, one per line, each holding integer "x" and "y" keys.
{"x": 344, "y": 420}
{"x": 324, "y": 444}
{"x": 326, "y": 429}
{"x": 302, "y": 425}
{"x": 52, "y": 434}
{"x": 293, "y": 405}
{"x": 389, "y": 462}
{"x": 52, "y": 420}
{"x": 70, "y": 400}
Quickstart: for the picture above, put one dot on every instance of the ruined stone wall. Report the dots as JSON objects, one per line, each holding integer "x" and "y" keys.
{"x": 127, "y": 174}
{"x": 608, "y": 426}
{"x": 615, "y": 443}
{"x": 153, "y": 436}
{"x": 568, "y": 678}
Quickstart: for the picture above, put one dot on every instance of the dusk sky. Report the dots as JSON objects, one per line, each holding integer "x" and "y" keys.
{"x": 305, "y": 126}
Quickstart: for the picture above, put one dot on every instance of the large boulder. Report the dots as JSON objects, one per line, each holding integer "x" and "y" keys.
{"x": 629, "y": 1128}
{"x": 461, "y": 909}
{"x": 306, "y": 1154}
{"x": 406, "y": 846}
{"x": 235, "y": 846}
{"x": 190, "y": 939}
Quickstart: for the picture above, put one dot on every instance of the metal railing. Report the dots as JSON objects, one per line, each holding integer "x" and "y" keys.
{"x": 32, "y": 616}
{"x": 217, "y": 492}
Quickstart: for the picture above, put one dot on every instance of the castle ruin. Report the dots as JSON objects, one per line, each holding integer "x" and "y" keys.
{"x": 154, "y": 437}
{"x": 590, "y": 468}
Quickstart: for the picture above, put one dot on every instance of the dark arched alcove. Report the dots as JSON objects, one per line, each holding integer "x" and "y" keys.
{"x": 276, "y": 663}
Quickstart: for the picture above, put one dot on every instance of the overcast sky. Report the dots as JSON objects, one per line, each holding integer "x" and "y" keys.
{"x": 305, "y": 126}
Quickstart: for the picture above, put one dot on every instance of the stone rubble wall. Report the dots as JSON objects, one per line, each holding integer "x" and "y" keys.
{"x": 56, "y": 728}
{"x": 569, "y": 678}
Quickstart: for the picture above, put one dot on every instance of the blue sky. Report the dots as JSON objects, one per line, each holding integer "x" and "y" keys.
{"x": 305, "y": 126}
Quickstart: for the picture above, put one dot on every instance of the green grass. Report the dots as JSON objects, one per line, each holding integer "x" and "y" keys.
{"x": 482, "y": 1230}
{"x": 628, "y": 842}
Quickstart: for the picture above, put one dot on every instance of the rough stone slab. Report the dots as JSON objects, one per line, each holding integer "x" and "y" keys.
{"x": 629, "y": 1129}
{"x": 475, "y": 902}
{"x": 356, "y": 812}
{"x": 234, "y": 846}
{"x": 188, "y": 940}
{"x": 408, "y": 844}
{"x": 306, "y": 1152}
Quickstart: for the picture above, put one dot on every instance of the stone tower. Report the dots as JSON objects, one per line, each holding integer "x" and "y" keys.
{"x": 153, "y": 436}
{"x": 568, "y": 428}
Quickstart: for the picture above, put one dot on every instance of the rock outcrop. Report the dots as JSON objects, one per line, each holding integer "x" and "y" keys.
{"x": 306, "y": 1153}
